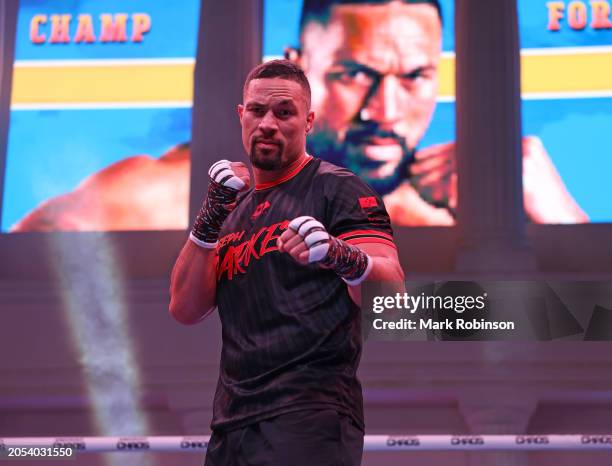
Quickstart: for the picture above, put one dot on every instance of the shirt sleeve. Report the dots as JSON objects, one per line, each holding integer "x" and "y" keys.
{"x": 355, "y": 212}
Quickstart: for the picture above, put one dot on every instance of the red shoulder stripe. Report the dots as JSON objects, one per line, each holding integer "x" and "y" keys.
{"x": 371, "y": 240}
{"x": 366, "y": 233}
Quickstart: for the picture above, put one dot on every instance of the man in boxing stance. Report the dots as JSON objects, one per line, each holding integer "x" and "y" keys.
{"x": 283, "y": 263}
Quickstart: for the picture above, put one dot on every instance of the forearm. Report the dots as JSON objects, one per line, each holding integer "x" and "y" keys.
{"x": 193, "y": 284}
{"x": 385, "y": 269}
{"x": 363, "y": 261}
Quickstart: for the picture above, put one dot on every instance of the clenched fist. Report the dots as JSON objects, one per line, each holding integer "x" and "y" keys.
{"x": 226, "y": 180}
{"x": 306, "y": 240}
{"x": 234, "y": 175}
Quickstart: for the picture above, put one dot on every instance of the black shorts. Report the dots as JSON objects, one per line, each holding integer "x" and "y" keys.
{"x": 310, "y": 437}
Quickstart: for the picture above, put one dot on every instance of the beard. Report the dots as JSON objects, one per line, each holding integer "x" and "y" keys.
{"x": 350, "y": 154}
{"x": 266, "y": 159}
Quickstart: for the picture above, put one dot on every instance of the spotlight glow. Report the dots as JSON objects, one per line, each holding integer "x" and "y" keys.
{"x": 92, "y": 290}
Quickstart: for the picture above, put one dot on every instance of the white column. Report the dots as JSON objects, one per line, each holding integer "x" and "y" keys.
{"x": 491, "y": 220}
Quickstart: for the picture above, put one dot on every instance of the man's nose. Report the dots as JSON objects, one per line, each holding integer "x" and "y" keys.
{"x": 383, "y": 105}
{"x": 268, "y": 123}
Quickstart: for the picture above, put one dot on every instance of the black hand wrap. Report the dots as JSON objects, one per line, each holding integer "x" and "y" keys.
{"x": 348, "y": 261}
{"x": 219, "y": 202}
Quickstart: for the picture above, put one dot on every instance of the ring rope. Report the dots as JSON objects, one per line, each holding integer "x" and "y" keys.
{"x": 371, "y": 443}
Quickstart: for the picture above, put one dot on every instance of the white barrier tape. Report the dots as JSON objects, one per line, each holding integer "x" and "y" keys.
{"x": 371, "y": 443}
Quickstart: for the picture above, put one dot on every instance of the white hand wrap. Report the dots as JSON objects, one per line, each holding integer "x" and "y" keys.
{"x": 349, "y": 262}
{"x": 314, "y": 234}
{"x": 222, "y": 173}
{"x": 220, "y": 201}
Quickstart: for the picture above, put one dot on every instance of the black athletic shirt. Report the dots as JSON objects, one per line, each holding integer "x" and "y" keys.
{"x": 291, "y": 333}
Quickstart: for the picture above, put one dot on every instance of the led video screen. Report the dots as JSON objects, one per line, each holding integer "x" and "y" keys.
{"x": 382, "y": 75}
{"x": 100, "y": 116}
{"x": 101, "y": 108}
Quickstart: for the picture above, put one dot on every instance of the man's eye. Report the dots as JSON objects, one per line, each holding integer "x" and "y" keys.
{"x": 356, "y": 77}
{"x": 415, "y": 76}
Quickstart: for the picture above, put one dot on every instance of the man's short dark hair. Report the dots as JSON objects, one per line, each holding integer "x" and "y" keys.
{"x": 284, "y": 69}
{"x": 320, "y": 10}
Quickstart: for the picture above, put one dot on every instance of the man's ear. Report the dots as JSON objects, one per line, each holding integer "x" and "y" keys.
{"x": 240, "y": 109}
{"x": 293, "y": 54}
{"x": 309, "y": 120}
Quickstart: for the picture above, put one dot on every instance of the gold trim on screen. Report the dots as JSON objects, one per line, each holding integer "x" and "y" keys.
{"x": 102, "y": 83}
{"x": 551, "y": 72}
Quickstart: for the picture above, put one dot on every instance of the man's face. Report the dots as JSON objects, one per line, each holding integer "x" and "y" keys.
{"x": 373, "y": 73}
{"x": 275, "y": 120}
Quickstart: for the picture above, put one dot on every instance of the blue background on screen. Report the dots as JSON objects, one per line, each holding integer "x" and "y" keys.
{"x": 533, "y": 22}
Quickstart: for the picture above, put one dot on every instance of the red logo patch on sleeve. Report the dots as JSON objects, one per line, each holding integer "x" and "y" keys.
{"x": 368, "y": 202}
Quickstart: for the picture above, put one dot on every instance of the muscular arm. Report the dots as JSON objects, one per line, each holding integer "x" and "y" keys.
{"x": 385, "y": 262}
{"x": 193, "y": 284}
